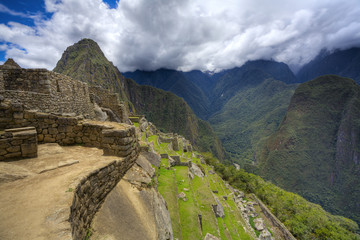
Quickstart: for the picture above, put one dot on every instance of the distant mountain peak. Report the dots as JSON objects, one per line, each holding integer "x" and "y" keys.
{"x": 86, "y": 62}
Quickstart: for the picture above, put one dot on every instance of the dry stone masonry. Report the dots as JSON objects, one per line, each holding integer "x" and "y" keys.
{"x": 18, "y": 142}
{"x": 40, "y": 106}
{"x": 47, "y": 91}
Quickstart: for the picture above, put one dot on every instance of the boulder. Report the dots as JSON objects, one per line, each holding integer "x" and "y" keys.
{"x": 153, "y": 158}
{"x": 218, "y": 209}
{"x": 143, "y": 162}
{"x": 265, "y": 235}
{"x": 182, "y": 196}
{"x": 259, "y": 224}
{"x": 196, "y": 170}
{"x": 209, "y": 236}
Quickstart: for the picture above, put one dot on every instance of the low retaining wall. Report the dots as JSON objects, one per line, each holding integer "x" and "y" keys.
{"x": 276, "y": 222}
{"x": 18, "y": 142}
{"x": 92, "y": 191}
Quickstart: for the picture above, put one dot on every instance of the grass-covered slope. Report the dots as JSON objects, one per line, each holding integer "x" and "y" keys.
{"x": 200, "y": 196}
{"x": 170, "y": 113}
{"x": 86, "y": 62}
{"x": 249, "y": 117}
{"x": 315, "y": 151}
{"x": 304, "y": 219}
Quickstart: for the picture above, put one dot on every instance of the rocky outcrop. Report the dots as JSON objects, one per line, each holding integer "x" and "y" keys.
{"x": 209, "y": 236}
{"x": 218, "y": 209}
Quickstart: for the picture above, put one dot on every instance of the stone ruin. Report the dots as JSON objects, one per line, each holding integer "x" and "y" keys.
{"x": 50, "y": 92}
{"x": 41, "y": 106}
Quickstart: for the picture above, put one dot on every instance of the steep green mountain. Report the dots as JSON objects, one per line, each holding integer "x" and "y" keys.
{"x": 315, "y": 151}
{"x": 171, "y": 114}
{"x": 345, "y": 63}
{"x": 177, "y": 83}
{"x": 249, "y": 117}
{"x": 85, "y": 61}
{"x": 250, "y": 74}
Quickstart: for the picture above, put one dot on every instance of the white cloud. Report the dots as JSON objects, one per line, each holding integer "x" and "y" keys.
{"x": 187, "y": 34}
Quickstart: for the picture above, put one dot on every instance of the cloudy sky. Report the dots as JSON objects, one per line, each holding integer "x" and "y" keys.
{"x": 178, "y": 34}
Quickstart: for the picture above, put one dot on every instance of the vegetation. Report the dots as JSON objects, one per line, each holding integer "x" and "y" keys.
{"x": 305, "y": 220}
{"x": 314, "y": 152}
{"x": 184, "y": 214}
{"x": 171, "y": 114}
{"x": 251, "y": 116}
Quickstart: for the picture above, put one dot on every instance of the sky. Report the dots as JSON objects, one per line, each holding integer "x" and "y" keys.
{"x": 208, "y": 35}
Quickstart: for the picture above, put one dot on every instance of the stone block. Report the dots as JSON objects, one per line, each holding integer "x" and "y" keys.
{"x": 13, "y": 149}
{"x": 85, "y": 139}
{"x": 61, "y": 128}
{"x": 29, "y": 115}
{"x": 49, "y": 139}
{"x": 4, "y": 143}
{"x": 53, "y": 131}
{"x": 3, "y": 152}
{"x": 18, "y": 115}
{"x": 29, "y": 150}
{"x": 115, "y": 133}
{"x": 108, "y": 140}
{"x": 16, "y": 142}
{"x": 69, "y": 129}
{"x": 42, "y": 115}
{"x": 68, "y": 141}
{"x": 60, "y": 136}
{"x": 13, "y": 155}
{"x": 67, "y": 121}
{"x": 40, "y": 137}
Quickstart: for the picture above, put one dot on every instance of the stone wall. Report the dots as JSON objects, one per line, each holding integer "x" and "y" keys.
{"x": 276, "y": 222}
{"x": 107, "y": 99}
{"x": 30, "y": 80}
{"x": 65, "y": 130}
{"x": 92, "y": 191}
{"x": 115, "y": 139}
{"x": 47, "y": 91}
{"x": 18, "y": 143}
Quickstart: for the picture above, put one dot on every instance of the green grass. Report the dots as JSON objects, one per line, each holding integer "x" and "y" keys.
{"x": 204, "y": 200}
{"x": 188, "y": 210}
{"x": 168, "y": 189}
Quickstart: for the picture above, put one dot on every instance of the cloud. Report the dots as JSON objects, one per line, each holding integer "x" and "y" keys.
{"x": 188, "y": 34}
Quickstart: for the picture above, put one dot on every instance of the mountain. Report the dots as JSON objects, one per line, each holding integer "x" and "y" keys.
{"x": 249, "y": 117}
{"x": 249, "y": 75}
{"x": 86, "y": 62}
{"x": 238, "y": 103}
{"x": 345, "y": 63}
{"x": 315, "y": 151}
{"x": 177, "y": 83}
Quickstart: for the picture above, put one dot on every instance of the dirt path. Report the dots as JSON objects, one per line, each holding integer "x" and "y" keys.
{"x": 38, "y": 206}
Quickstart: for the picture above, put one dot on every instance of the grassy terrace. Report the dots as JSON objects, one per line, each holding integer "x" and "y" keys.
{"x": 199, "y": 199}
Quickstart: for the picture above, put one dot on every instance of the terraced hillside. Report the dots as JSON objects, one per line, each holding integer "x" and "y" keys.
{"x": 196, "y": 195}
